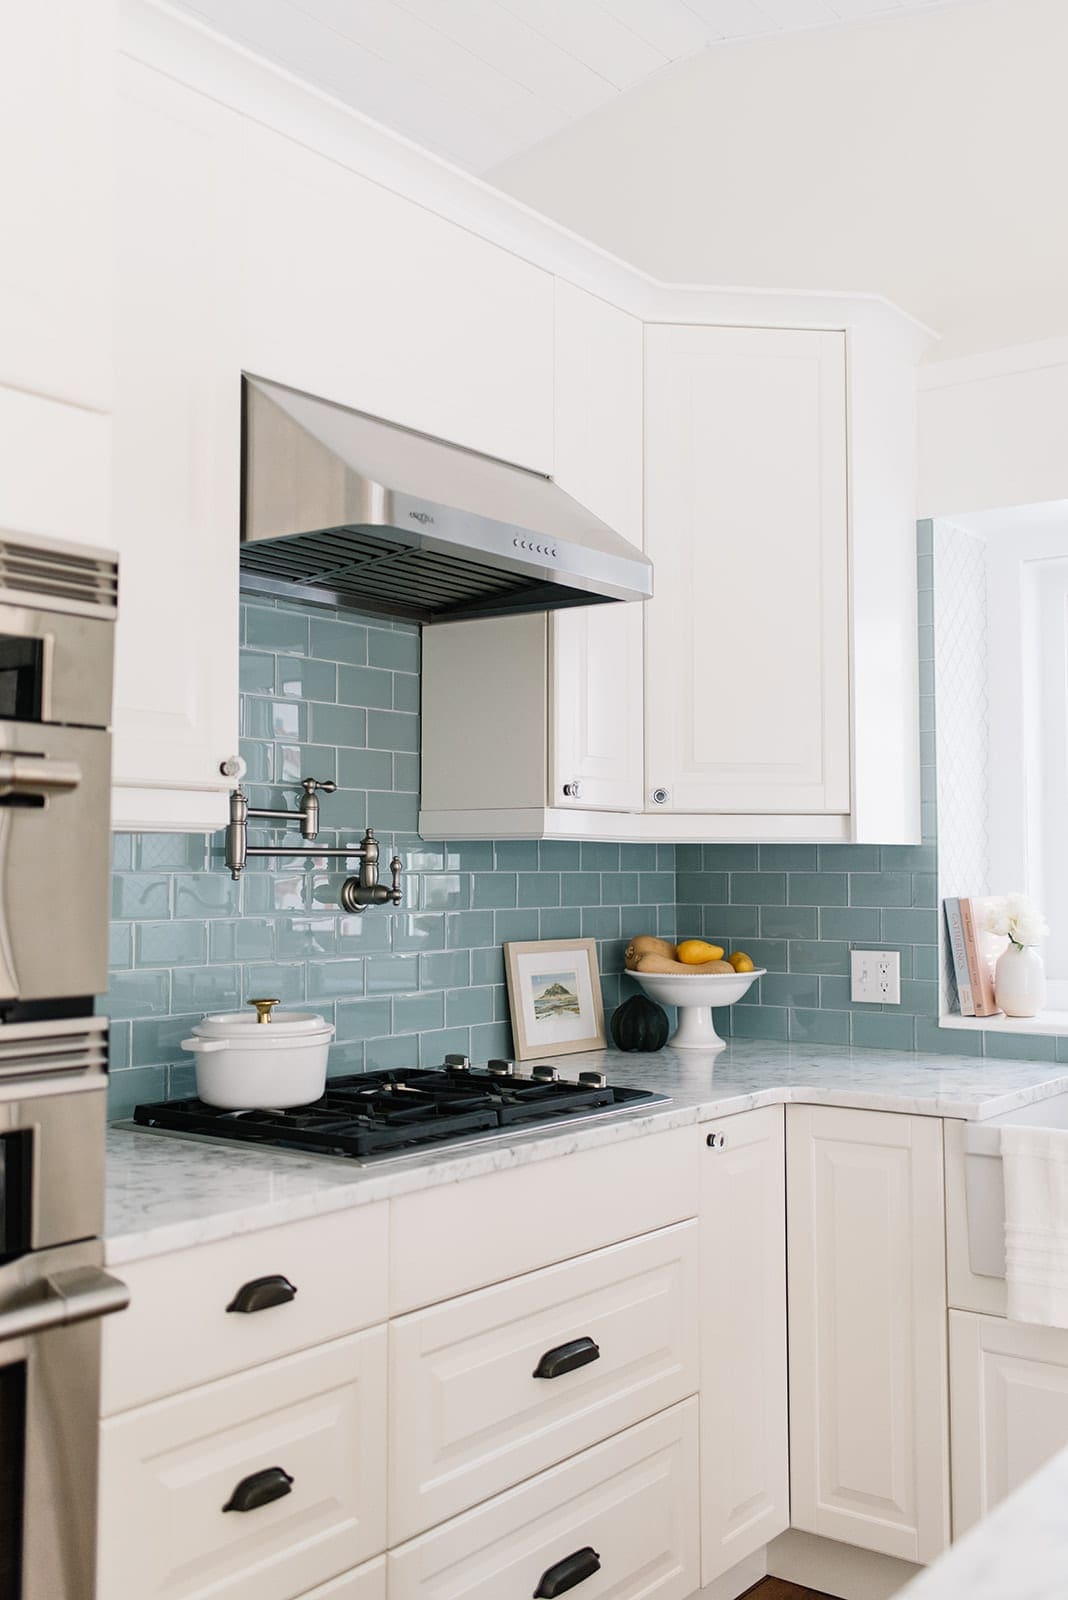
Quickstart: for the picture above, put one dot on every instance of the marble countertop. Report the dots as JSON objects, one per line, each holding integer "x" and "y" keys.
{"x": 166, "y": 1192}
{"x": 1018, "y": 1552}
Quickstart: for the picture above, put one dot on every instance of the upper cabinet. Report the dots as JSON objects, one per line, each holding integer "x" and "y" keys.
{"x": 56, "y": 75}
{"x": 561, "y": 696}
{"x": 769, "y": 687}
{"x": 746, "y": 525}
{"x": 242, "y": 251}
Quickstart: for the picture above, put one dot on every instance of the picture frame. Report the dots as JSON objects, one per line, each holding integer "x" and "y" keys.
{"x": 554, "y": 994}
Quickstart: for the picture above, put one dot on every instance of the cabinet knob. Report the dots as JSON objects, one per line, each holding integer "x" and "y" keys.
{"x": 233, "y": 767}
{"x": 716, "y": 1141}
{"x": 660, "y": 797}
{"x": 573, "y": 791}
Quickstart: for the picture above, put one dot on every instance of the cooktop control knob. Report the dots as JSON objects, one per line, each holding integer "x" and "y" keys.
{"x": 458, "y": 1063}
{"x": 543, "y": 1073}
{"x": 593, "y": 1080}
{"x": 501, "y": 1069}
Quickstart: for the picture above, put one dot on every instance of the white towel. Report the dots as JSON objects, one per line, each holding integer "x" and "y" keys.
{"x": 1035, "y": 1161}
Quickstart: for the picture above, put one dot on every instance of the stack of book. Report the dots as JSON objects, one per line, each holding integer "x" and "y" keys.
{"x": 973, "y": 958}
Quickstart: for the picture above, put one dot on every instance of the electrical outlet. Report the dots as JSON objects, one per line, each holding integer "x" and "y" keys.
{"x": 876, "y": 977}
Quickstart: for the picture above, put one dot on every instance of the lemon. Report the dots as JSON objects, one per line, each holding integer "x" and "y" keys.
{"x": 695, "y": 952}
{"x": 741, "y": 962}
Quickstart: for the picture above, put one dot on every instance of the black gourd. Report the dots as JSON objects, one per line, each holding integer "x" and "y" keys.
{"x": 640, "y": 1024}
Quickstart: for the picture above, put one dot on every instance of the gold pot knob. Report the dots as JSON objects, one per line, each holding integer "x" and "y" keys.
{"x": 263, "y": 1009}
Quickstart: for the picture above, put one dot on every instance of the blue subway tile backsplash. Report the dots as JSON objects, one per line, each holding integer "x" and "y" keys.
{"x": 337, "y": 697}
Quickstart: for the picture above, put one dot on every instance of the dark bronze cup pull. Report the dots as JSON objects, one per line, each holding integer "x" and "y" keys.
{"x": 567, "y": 1358}
{"x": 568, "y": 1573}
{"x": 263, "y": 1487}
{"x": 262, "y": 1293}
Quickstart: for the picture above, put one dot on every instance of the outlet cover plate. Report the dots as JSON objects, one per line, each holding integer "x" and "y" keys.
{"x": 875, "y": 977}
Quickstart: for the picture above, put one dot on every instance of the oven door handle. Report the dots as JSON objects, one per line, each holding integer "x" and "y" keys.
{"x": 37, "y": 775}
{"x": 64, "y": 1298}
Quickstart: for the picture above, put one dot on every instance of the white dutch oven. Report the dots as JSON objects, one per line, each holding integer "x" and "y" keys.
{"x": 272, "y": 1059}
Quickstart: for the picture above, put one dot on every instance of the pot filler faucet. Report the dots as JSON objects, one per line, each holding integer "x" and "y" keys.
{"x": 356, "y": 893}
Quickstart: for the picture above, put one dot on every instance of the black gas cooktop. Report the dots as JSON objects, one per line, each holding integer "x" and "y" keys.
{"x": 390, "y": 1113}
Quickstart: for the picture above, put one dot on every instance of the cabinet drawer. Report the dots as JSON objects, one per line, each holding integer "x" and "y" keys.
{"x": 468, "y": 1415}
{"x": 633, "y": 1501}
{"x": 366, "y": 1583}
{"x": 547, "y": 1211}
{"x": 167, "y": 1471}
{"x": 178, "y": 1331}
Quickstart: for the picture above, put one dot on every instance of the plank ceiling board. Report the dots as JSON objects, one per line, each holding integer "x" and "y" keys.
{"x": 478, "y": 81}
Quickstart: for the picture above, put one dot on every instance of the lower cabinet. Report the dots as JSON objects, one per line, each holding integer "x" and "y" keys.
{"x": 253, "y": 1488}
{"x": 365, "y": 1583}
{"x": 489, "y": 1388}
{"x": 1009, "y": 1393}
{"x": 867, "y": 1307}
{"x": 621, "y": 1520}
{"x": 745, "y": 1461}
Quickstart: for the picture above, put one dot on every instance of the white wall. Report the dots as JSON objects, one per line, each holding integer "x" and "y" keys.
{"x": 921, "y": 157}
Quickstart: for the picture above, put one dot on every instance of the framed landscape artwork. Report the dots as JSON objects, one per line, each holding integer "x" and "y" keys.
{"x": 554, "y": 991}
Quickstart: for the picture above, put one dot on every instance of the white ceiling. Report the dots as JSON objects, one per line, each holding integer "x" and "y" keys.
{"x": 478, "y": 81}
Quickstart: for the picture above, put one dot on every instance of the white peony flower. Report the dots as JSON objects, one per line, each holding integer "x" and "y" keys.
{"x": 1016, "y": 917}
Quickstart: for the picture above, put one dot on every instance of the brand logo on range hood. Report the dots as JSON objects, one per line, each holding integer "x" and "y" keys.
{"x": 421, "y": 516}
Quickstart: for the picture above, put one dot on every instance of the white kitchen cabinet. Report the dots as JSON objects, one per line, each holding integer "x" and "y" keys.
{"x": 174, "y": 1475}
{"x": 56, "y": 94}
{"x": 189, "y": 1322}
{"x": 555, "y": 702}
{"x": 242, "y": 250}
{"x": 176, "y": 460}
{"x": 867, "y": 1314}
{"x": 488, "y": 1389}
{"x": 1009, "y": 1398}
{"x": 363, "y": 1583}
{"x": 745, "y": 1459}
{"x": 353, "y": 293}
{"x": 630, "y": 1505}
{"x": 541, "y": 1214}
{"x": 747, "y": 635}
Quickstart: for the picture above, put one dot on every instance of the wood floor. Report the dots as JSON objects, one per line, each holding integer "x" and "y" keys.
{"x": 779, "y": 1589}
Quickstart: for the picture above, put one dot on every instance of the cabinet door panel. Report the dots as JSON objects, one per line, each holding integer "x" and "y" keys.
{"x": 596, "y": 712}
{"x": 170, "y": 1471}
{"x": 56, "y": 85}
{"x": 632, "y": 1500}
{"x": 747, "y": 636}
{"x": 745, "y": 1490}
{"x": 177, "y": 454}
{"x": 1009, "y": 1388}
{"x": 471, "y": 1414}
{"x": 867, "y": 1309}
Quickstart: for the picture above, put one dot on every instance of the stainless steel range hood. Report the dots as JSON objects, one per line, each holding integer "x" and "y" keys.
{"x": 347, "y": 510}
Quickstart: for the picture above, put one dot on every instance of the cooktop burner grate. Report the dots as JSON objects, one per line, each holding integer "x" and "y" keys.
{"x": 378, "y": 1113}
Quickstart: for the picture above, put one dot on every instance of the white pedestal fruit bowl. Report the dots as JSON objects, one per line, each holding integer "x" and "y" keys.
{"x": 695, "y": 994}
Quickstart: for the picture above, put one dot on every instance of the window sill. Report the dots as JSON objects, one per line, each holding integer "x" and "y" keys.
{"x": 1047, "y": 1022}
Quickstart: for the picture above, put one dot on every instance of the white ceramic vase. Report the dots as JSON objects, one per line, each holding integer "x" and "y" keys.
{"x": 1020, "y": 981}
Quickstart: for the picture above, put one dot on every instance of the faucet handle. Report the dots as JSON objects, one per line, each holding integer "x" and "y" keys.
{"x": 264, "y": 1009}
{"x": 309, "y": 785}
{"x": 395, "y": 868}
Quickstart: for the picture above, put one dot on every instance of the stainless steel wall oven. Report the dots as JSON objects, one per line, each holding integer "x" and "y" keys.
{"x": 57, "y": 614}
